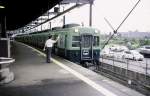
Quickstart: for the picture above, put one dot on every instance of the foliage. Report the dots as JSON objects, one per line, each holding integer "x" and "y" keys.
{"x": 131, "y": 43}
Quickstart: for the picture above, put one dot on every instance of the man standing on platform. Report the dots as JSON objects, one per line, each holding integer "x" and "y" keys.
{"x": 48, "y": 46}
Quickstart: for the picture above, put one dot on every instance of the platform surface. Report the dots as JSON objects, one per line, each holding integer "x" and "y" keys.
{"x": 35, "y": 77}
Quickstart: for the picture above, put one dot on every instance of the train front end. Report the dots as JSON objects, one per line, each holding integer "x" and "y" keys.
{"x": 86, "y": 45}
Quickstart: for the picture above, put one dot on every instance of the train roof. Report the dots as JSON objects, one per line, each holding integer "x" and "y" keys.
{"x": 56, "y": 28}
{"x": 70, "y": 25}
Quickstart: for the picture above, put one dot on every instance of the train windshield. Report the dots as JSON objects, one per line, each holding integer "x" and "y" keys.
{"x": 86, "y": 41}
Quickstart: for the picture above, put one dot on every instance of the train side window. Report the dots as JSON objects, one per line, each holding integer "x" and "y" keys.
{"x": 75, "y": 44}
{"x": 54, "y": 37}
{"x": 96, "y": 41}
{"x": 75, "y": 38}
{"x": 76, "y": 41}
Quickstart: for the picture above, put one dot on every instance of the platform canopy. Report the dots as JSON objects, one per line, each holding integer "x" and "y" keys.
{"x": 78, "y": 1}
{"x": 19, "y": 13}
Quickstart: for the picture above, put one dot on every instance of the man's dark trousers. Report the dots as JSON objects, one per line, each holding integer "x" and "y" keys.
{"x": 48, "y": 54}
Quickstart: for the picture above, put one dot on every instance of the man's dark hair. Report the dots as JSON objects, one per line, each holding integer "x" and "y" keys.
{"x": 50, "y": 36}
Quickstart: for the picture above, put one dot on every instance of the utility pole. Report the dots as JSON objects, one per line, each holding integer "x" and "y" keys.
{"x": 90, "y": 14}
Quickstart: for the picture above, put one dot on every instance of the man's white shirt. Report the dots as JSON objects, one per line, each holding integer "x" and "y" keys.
{"x": 49, "y": 43}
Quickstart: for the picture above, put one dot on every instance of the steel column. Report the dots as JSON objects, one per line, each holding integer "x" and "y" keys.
{"x": 3, "y": 27}
{"x": 90, "y": 14}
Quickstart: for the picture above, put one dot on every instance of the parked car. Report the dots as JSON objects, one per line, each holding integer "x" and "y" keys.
{"x": 144, "y": 49}
{"x": 118, "y": 48}
{"x": 132, "y": 54}
{"x": 137, "y": 56}
{"x": 127, "y": 55}
{"x": 107, "y": 53}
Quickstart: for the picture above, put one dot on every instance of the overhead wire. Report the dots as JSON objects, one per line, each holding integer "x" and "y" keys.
{"x": 115, "y": 31}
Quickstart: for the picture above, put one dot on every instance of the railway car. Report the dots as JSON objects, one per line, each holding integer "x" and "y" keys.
{"x": 76, "y": 43}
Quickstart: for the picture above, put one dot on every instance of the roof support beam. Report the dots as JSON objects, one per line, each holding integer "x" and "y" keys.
{"x": 59, "y": 14}
{"x": 77, "y": 1}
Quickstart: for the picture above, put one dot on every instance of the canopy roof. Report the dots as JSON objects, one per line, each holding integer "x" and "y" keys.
{"x": 18, "y": 13}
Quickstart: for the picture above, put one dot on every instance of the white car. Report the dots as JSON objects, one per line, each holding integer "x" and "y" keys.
{"x": 132, "y": 54}
{"x": 144, "y": 49}
{"x": 127, "y": 55}
{"x": 137, "y": 55}
{"x": 107, "y": 53}
{"x": 118, "y": 48}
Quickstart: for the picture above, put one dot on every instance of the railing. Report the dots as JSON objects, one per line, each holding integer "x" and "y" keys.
{"x": 135, "y": 74}
{"x": 142, "y": 67}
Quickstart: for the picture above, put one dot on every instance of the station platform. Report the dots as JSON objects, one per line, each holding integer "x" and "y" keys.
{"x": 35, "y": 77}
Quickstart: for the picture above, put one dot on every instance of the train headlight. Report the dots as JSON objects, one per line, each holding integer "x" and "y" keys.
{"x": 85, "y": 52}
{"x": 96, "y": 31}
{"x": 76, "y": 30}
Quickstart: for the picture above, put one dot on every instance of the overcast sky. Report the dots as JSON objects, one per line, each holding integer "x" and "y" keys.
{"x": 115, "y": 11}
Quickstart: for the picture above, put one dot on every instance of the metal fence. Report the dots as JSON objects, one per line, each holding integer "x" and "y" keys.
{"x": 142, "y": 67}
{"x": 134, "y": 73}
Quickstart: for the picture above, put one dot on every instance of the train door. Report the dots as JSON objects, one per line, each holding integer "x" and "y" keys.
{"x": 65, "y": 45}
{"x": 86, "y": 47}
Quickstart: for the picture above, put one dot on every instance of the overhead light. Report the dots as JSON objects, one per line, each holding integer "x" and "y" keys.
{"x": 2, "y": 6}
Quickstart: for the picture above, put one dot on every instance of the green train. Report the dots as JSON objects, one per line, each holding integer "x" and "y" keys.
{"x": 77, "y": 44}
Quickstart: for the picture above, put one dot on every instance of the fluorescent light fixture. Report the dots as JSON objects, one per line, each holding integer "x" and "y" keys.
{"x": 2, "y": 6}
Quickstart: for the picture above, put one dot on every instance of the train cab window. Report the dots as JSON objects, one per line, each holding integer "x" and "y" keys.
{"x": 76, "y": 41}
{"x": 96, "y": 41}
{"x": 86, "y": 41}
